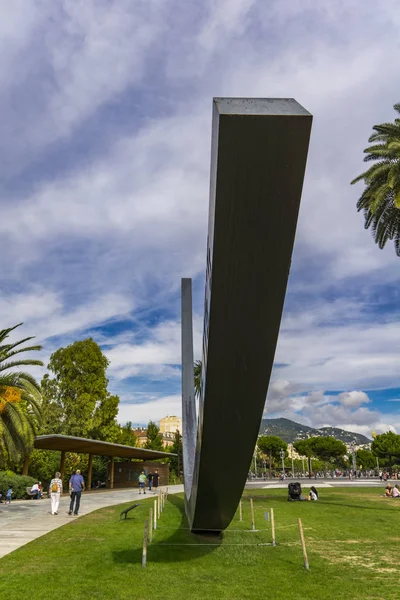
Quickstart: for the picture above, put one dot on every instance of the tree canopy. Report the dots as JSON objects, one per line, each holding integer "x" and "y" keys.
{"x": 271, "y": 446}
{"x": 154, "y": 439}
{"x": 324, "y": 448}
{"x": 380, "y": 200}
{"x": 366, "y": 459}
{"x": 387, "y": 445}
{"x": 20, "y": 397}
{"x": 304, "y": 448}
{"x": 327, "y": 448}
{"x": 176, "y": 462}
{"x": 76, "y": 400}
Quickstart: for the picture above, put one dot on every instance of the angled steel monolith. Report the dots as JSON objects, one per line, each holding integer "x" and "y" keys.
{"x": 258, "y": 159}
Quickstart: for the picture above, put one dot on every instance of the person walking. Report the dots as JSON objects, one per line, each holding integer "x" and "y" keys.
{"x": 150, "y": 480}
{"x": 156, "y": 477}
{"x": 55, "y": 489}
{"x": 76, "y": 487}
{"x": 142, "y": 482}
{"x": 9, "y": 494}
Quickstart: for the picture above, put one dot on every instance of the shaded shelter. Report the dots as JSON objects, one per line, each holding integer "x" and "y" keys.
{"x": 68, "y": 443}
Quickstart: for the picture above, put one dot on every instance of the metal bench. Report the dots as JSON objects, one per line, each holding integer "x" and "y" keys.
{"x": 125, "y": 512}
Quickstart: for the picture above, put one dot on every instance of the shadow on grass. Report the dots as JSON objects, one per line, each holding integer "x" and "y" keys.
{"x": 181, "y": 546}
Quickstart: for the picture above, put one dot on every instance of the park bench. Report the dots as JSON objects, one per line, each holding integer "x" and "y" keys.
{"x": 125, "y": 512}
{"x": 30, "y": 493}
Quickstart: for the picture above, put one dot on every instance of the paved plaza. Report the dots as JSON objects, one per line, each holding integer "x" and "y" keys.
{"x": 25, "y": 520}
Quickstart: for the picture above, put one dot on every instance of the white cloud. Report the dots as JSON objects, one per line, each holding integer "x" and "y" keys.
{"x": 154, "y": 410}
{"x": 156, "y": 357}
{"x": 353, "y": 399}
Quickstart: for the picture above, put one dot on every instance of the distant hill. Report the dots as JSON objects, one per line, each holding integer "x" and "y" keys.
{"x": 290, "y": 431}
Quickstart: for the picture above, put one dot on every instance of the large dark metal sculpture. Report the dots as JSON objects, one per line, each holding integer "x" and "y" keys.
{"x": 258, "y": 159}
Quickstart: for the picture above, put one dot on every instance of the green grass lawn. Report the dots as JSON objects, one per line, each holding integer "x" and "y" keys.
{"x": 351, "y": 535}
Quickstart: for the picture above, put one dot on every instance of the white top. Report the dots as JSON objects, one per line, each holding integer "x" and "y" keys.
{"x": 59, "y": 485}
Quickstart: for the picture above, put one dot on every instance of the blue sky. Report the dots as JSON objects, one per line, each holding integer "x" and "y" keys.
{"x": 104, "y": 180}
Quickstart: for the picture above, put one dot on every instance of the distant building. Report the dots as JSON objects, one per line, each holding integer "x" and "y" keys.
{"x": 170, "y": 425}
{"x": 168, "y": 438}
{"x": 141, "y": 436}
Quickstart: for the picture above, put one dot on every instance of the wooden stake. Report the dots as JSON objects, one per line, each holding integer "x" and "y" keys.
{"x": 253, "y": 526}
{"x": 303, "y": 544}
{"x": 273, "y": 527}
{"x": 144, "y": 553}
{"x": 240, "y": 511}
{"x": 159, "y": 506}
{"x": 150, "y": 525}
{"x": 155, "y": 513}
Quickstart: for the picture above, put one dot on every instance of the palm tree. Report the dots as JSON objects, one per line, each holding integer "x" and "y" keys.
{"x": 20, "y": 397}
{"x": 197, "y": 378}
{"x": 380, "y": 200}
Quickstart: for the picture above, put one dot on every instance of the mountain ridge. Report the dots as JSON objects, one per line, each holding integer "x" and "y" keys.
{"x": 290, "y": 432}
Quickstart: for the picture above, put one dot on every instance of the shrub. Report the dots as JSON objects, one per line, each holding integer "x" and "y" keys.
{"x": 19, "y": 484}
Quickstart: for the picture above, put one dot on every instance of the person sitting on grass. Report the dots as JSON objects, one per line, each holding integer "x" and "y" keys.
{"x": 396, "y": 492}
{"x": 388, "y": 491}
{"x": 313, "y": 493}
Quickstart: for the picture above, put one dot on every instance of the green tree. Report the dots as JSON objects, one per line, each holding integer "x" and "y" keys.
{"x": 154, "y": 439}
{"x": 380, "y": 200}
{"x": 197, "y": 378}
{"x": 271, "y": 446}
{"x": 303, "y": 447}
{"x": 105, "y": 426}
{"x": 176, "y": 461}
{"x": 127, "y": 437}
{"x": 76, "y": 401}
{"x": 20, "y": 397}
{"x": 366, "y": 459}
{"x": 327, "y": 448}
{"x": 387, "y": 445}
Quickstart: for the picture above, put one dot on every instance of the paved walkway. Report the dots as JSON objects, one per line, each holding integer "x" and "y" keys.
{"x": 25, "y": 520}
{"x": 327, "y": 483}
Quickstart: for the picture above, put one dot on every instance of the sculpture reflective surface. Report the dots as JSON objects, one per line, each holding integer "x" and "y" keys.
{"x": 258, "y": 159}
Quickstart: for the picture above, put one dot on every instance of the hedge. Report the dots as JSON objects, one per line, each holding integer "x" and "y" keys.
{"x": 19, "y": 484}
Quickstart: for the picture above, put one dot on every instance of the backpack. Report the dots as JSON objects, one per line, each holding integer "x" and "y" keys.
{"x": 54, "y": 487}
{"x": 294, "y": 490}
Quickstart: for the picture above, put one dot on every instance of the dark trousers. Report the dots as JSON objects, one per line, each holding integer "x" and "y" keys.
{"x": 75, "y": 497}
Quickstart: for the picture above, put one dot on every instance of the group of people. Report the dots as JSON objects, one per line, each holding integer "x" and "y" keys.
{"x": 76, "y": 487}
{"x": 151, "y": 478}
{"x": 392, "y": 492}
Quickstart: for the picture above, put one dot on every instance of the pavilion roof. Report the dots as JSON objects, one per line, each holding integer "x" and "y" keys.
{"x": 85, "y": 446}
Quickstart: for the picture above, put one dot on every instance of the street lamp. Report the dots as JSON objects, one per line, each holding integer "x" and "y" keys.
{"x": 282, "y": 454}
{"x": 353, "y": 455}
